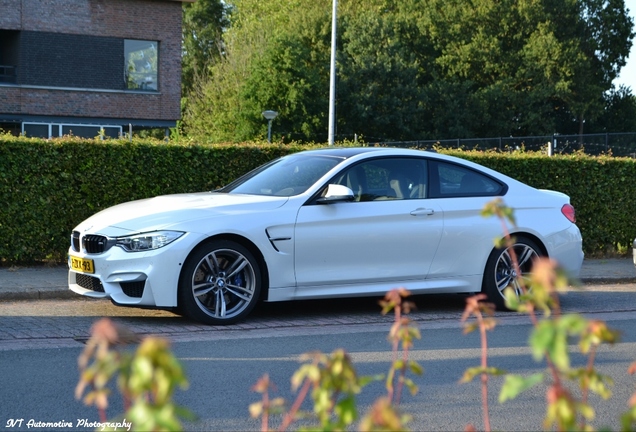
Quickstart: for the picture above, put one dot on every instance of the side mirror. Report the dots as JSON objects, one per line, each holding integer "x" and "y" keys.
{"x": 336, "y": 193}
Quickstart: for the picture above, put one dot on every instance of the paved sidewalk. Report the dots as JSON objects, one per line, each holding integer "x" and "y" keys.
{"x": 50, "y": 282}
{"x": 24, "y": 283}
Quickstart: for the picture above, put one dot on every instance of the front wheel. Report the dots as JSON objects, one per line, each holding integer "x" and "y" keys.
{"x": 220, "y": 283}
{"x": 501, "y": 273}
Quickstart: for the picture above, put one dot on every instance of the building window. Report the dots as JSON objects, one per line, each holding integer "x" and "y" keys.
{"x": 50, "y": 130}
{"x": 9, "y": 53}
{"x": 141, "y": 61}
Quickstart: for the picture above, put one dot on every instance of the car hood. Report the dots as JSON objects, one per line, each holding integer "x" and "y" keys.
{"x": 168, "y": 211}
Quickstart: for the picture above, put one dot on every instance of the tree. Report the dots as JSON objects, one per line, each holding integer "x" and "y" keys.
{"x": 619, "y": 114}
{"x": 381, "y": 75}
{"x": 503, "y": 60}
{"x": 606, "y": 32}
{"x": 291, "y": 75}
{"x": 276, "y": 58}
{"x": 412, "y": 70}
{"x": 204, "y": 23}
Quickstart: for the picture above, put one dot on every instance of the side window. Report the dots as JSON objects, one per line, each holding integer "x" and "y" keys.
{"x": 456, "y": 181}
{"x": 386, "y": 179}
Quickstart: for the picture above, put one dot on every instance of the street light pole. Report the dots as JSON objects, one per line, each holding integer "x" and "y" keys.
{"x": 332, "y": 77}
{"x": 269, "y": 115}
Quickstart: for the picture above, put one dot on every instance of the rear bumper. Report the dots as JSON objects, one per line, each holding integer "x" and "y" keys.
{"x": 566, "y": 248}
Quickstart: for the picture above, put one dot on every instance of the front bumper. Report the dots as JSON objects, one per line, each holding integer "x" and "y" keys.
{"x": 133, "y": 278}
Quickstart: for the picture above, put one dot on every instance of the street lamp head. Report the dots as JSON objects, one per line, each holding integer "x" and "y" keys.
{"x": 269, "y": 114}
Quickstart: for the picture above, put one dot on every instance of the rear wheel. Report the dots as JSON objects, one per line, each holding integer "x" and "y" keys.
{"x": 220, "y": 283}
{"x": 501, "y": 273}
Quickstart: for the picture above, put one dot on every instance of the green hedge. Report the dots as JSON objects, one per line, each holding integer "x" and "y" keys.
{"x": 48, "y": 186}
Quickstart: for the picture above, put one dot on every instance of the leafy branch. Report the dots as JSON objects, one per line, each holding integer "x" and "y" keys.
{"x": 332, "y": 383}
{"x": 549, "y": 340}
{"x": 146, "y": 378}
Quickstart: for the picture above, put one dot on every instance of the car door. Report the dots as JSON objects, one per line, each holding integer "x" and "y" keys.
{"x": 468, "y": 237}
{"x": 388, "y": 234}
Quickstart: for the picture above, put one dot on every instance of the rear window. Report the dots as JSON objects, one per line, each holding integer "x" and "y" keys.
{"x": 452, "y": 180}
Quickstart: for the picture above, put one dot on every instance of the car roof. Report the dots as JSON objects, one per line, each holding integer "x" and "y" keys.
{"x": 347, "y": 152}
{"x": 353, "y": 152}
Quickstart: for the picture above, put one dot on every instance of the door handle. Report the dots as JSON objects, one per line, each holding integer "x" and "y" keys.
{"x": 422, "y": 212}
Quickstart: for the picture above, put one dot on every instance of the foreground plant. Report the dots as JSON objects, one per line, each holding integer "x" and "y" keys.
{"x": 402, "y": 336}
{"x": 384, "y": 414}
{"x": 333, "y": 384}
{"x": 146, "y": 378}
{"x": 549, "y": 340}
{"x": 483, "y": 313}
{"x": 628, "y": 419}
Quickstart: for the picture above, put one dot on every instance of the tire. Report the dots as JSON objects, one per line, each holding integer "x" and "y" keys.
{"x": 500, "y": 272}
{"x": 220, "y": 283}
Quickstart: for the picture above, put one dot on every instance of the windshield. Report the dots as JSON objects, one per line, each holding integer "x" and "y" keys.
{"x": 287, "y": 176}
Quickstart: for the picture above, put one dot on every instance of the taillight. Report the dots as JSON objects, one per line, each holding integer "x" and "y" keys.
{"x": 569, "y": 213}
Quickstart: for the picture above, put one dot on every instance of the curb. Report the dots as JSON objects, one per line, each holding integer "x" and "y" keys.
{"x": 63, "y": 293}
{"x": 607, "y": 280}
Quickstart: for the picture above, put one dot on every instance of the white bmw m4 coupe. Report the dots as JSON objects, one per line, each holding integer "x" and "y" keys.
{"x": 329, "y": 223}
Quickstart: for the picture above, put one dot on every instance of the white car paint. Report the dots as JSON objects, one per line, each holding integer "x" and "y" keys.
{"x": 338, "y": 249}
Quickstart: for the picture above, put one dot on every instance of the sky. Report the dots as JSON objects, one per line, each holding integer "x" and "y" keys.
{"x": 628, "y": 72}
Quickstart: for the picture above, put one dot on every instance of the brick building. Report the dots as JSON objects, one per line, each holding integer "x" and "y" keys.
{"x": 76, "y": 66}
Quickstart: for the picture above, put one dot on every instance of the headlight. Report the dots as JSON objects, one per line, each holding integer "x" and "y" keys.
{"x": 147, "y": 241}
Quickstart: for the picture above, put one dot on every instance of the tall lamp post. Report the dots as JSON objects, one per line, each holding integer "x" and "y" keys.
{"x": 332, "y": 77}
{"x": 269, "y": 115}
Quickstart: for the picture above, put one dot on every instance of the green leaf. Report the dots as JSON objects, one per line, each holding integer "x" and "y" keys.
{"x": 542, "y": 339}
{"x": 346, "y": 410}
{"x": 415, "y": 367}
{"x": 515, "y": 384}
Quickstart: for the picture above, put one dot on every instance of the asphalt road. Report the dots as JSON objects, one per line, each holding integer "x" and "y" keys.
{"x": 41, "y": 340}
{"x": 38, "y": 384}
{"x": 56, "y": 323}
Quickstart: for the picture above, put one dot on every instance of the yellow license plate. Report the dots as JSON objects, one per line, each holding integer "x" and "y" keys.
{"x": 82, "y": 265}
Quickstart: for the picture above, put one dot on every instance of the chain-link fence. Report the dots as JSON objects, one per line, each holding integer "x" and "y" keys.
{"x": 616, "y": 144}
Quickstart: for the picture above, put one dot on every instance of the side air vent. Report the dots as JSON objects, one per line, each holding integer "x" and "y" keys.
{"x": 133, "y": 289}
